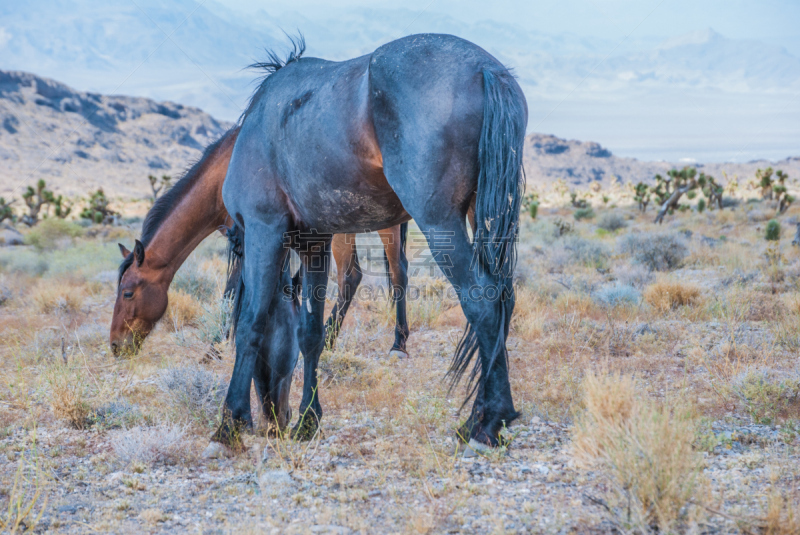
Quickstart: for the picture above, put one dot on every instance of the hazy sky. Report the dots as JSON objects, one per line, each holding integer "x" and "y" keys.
{"x": 773, "y": 21}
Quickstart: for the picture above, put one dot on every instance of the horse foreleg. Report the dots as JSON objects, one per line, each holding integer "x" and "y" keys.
{"x": 264, "y": 257}
{"x": 312, "y": 336}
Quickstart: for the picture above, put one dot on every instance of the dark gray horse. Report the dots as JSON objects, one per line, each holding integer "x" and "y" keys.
{"x": 424, "y": 127}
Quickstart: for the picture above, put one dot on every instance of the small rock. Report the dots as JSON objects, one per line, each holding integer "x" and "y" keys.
{"x": 374, "y": 493}
{"x": 214, "y": 450}
{"x": 475, "y": 448}
{"x": 10, "y": 236}
{"x": 275, "y": 479}
{"x": 71, "y": 509}
{"x": 536, "y": 420}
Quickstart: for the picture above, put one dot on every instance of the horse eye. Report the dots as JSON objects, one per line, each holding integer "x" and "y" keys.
{"x": 127, "y": 295}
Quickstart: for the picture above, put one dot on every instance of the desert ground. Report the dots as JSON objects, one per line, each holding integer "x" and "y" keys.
{"x": 656, "y": 367}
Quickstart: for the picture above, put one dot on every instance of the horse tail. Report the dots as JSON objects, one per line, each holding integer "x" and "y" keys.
{"x": 501, "y": 185}
{"x": 234, "y": 288}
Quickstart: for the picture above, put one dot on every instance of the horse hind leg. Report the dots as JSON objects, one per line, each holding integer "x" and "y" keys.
{"x": 348, "y": 272}
{"x": 397, "y": 267}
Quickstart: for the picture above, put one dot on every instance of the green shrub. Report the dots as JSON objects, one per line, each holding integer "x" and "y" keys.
{"x": 773, "y": 232}
{"x": 701, "y": 205}
{"x": 611, "y": 221}
{"x": 49, "y": 231}
{"x": 583, "y": 213}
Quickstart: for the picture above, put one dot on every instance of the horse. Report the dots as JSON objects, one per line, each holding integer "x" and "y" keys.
{"x": 189, "y": 212}
{"x": 423, "y": 127}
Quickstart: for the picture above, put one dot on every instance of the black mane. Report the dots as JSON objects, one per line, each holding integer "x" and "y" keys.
{"x": 273, "y": 64}
{"x": 163, "y": 206}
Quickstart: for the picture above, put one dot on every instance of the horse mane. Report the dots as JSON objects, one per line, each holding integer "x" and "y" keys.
{"x": 273, "y": 64}
{"x": 164, "y": 205}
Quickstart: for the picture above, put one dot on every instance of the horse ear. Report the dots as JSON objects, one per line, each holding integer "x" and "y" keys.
{"x": 124, "y": 250}
{"x": 138, "y": 252}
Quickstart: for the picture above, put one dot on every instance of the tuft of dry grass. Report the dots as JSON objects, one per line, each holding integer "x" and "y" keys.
{"x": 57, "y": 296}
{"x": 150, "y": 444}
{"x": 183, "y": 310}
{"x": 644, "y": 450}
{"x": 69, "y": 396}
{"x": 668, "y": 295}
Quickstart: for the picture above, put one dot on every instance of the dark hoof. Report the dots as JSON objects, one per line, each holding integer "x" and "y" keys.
{"x": 306, "y": 428}
{"x": 230, "y": 433}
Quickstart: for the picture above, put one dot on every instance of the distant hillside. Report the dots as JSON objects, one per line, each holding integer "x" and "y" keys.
{"x": 80, "y": 141}
{"x": 548, "y": 158}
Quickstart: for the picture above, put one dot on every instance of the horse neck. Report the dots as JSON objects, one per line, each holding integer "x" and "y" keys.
{"x": 198, "y": 213}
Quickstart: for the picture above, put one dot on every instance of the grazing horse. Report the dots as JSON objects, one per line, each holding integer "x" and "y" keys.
{"x": 189, "y": 212}
{"x": 421, "y": 128}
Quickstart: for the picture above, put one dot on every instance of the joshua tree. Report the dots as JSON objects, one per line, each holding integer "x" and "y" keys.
{"x": 577, "y": 203}
{"x": 669, "y": 190}
{"x": 711, "y": 190}
{"x": 764, "y": 178}
{"x": 642, "y": 196}
{"x": 774, "y": 188}
{"x": 60, "y": 207}
{"x": 159, "y": 185}
{"x": 98, "y": 210}
{"x": 5, "y": 210}
{"x": 781, "y": 194}
{"x": 531, "y": 203}
{"x": 35, "y": 199}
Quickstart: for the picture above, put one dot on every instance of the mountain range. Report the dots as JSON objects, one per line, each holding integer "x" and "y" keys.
{"x": 79, "y": 141}
{"x": 699, "y": 95}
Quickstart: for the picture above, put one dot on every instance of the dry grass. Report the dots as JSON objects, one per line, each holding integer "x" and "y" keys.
{"x": 668, "y": 295}
{"x": 645, "y": 450}
{"x": 57, "y": 296}
{"x": 183, "y": 310}
{"x": 725, "y": 338}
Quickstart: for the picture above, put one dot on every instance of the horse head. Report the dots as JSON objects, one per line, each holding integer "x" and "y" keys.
{"x": 141, "y": 301}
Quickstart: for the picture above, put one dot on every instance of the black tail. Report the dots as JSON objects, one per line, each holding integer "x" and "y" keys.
{"x": 403, "y": 239}
{"x": 234, "y": 288}
{"x": 501, "y": 185}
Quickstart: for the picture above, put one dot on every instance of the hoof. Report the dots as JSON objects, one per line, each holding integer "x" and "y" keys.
{"x": 475, "y": 449}
{"x": 215, "y": 450}
{"x": 398, "y": 353}
{"x": 305, "y": 429}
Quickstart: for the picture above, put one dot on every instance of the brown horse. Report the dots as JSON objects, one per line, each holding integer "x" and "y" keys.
{"x": 191, "y": 211}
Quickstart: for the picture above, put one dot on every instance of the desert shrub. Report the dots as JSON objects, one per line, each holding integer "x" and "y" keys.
{"x": 192, "y": 392}
{"x": 773, "y": 230}
{"x": 192, "y": 280}
{"x": 636, "y": 275}
{"x": 182, "y": 309}
{"x": 149, "y": 444}
{"x": 341, "y": 364}
{"x": 669, "y": 295}
{"x": 583, "y": 213}
{"x": 659, "y": 252}
{"x": 644, "y": 450}
{"x": 69, "y": 395}
{"x": 766, "y": 393}
{"x": 586, "y": 252}
{"x": 611, "y": 221}
{"x": 49, "y": 232}
{"x": 213, "y": 322}
{"x": 115, "y": 414}
{"x": 56, "y": 296}
{"x": 616, "y": 294}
